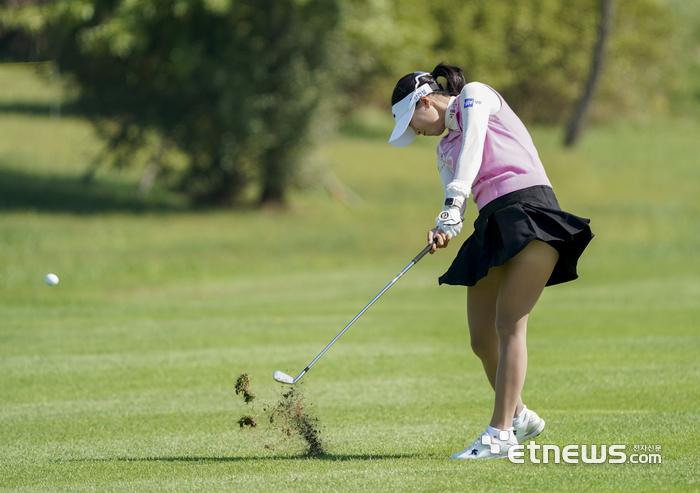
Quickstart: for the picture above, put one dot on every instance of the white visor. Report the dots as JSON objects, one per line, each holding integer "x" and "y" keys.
{"x": 403, "y": 113}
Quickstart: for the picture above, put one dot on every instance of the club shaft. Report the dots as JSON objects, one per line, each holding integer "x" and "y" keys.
{"x": 411, "y": 264}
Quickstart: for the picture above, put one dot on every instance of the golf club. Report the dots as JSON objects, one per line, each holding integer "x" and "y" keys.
{"x": 284, "y": 378}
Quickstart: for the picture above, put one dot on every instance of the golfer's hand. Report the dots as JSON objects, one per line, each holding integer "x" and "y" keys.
{"x": 449, "y": 221}
{"x": 438, "y": 239}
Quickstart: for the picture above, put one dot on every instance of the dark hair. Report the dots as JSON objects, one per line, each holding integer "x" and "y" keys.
{"x": 454, "y": 78}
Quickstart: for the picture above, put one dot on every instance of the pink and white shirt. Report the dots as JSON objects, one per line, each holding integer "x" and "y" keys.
{"x": 487, "y": 151}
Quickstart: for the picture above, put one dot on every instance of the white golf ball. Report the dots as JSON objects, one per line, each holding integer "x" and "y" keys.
{"x": 51, "y": 279}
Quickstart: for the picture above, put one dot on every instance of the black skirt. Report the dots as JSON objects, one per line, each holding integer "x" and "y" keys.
{"x": 507, "y": 224}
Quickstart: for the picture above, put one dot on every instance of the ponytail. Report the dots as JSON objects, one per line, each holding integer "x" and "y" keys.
{"x": 454, "y": 77}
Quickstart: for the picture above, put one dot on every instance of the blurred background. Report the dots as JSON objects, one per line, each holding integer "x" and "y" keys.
{"x": 222, "y": 103}
{"x": 211, "y": 182}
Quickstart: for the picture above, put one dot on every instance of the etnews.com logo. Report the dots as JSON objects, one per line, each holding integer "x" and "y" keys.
{"x": 574, "y": 454}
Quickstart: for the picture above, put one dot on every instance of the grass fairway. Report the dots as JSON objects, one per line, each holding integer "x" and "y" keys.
{"x": 121, "y": 377}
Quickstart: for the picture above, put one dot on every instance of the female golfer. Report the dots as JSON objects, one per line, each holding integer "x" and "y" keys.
{"x": 522, "y": 240}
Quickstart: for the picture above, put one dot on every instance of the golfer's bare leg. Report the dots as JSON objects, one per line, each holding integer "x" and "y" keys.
{"x": 481, "y": 316}
{"x": 522, "y": 282}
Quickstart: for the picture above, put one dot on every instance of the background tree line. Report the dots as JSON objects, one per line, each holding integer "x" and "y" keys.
{"x": 243, "y": 88}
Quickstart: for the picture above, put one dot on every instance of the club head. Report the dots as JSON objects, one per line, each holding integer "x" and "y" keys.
{"x": 282, "y": 377}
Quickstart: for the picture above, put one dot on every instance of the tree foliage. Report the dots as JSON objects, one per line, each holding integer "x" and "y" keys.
{"x": 235, "y": 85}
{"x": 535, "y": 52}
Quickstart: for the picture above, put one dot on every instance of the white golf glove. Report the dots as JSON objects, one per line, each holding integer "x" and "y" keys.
{"x": 450, "y": 219}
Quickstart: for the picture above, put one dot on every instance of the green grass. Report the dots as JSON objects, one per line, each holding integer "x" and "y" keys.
{"x": 121, "y": 377}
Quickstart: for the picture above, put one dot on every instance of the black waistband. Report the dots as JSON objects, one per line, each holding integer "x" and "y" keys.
{"x": 542, "y": 195}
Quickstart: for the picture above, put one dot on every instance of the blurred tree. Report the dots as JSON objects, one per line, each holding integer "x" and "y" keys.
{"x": 535, "y": 52}
{"x": 576, "y": 124}
{"x": 239, "y": 85}
{"x": 235, "y": 85}
{"x": 19, "y": 39}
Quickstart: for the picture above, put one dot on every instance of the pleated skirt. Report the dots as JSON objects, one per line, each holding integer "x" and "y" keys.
{"x": 507, "y": 224}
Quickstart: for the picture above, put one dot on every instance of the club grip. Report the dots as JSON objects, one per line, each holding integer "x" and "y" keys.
{"x": 425, "y": 250}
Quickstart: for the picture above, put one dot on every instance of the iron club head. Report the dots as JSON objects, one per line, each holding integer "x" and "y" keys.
{"x": 282, "y": 377}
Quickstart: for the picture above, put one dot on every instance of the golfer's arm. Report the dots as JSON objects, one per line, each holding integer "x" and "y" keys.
{"x": 478, "y": 102}
{"x": 446, "y": 174}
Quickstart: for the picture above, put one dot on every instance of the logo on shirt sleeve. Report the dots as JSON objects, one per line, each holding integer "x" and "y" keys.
{"x": 470, "y": 102}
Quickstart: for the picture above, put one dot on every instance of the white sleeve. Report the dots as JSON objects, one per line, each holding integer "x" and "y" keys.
{"x": 446, "y": 174}
{"x": 478, "y": 102}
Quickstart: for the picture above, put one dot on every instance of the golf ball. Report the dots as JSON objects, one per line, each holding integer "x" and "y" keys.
{"x": 51, "y": 279}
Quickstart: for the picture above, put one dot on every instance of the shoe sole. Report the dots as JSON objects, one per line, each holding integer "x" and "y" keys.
{"x": 533, "y": 433}
{"x": 492, "y": 457}
{"x": 488, "y": 457}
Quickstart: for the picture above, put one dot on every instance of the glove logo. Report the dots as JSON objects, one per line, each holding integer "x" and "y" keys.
{"x": 444, "y": 215}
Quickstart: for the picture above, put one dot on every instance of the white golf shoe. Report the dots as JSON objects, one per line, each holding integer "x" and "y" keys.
{"x": 492, "y": 444}
{"x": 527, "y": 425}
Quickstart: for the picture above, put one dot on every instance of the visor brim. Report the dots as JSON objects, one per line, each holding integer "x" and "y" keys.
{"x": 403, "y": 134}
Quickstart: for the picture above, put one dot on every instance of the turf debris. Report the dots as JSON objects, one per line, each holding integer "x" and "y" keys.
{"x": 247, "y": 420}
{"x": 290, "y": 415}
{"x": 242, "y": 387}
